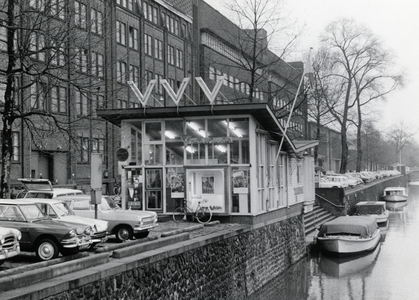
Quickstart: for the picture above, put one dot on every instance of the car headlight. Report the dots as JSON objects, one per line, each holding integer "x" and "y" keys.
{"x": 2, "y": 239}
{"x": 72, "y": 232}
{"x": 88, "y": 231}
{"x": 19, "y": 235}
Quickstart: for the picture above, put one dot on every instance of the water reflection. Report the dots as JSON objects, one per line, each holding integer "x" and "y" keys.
{"x": 337, "y": 266}
{"x": 390, "y": 272}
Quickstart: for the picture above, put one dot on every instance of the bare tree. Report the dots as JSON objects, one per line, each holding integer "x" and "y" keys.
{"x": 360, "y": 68}
{"x": 46, "y": 65}
{"x": 258, "y": 47}
{"x": 401, "y": 136}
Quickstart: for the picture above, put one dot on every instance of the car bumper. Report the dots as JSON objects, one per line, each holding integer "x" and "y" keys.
{"x": 144, "y": 228}
{"x": 7, "y": 253}
{"x": 99, "y": 237}
{"x": 77, "y": 242}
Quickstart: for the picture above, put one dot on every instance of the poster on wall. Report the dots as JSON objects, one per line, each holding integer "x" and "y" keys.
{"x": 177, "y": 186}
{"x": 208, "y": 185}
{"x": 241, "y": 182}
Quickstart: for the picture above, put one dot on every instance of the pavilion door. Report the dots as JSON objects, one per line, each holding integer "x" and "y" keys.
{"x": 154, "y": 189}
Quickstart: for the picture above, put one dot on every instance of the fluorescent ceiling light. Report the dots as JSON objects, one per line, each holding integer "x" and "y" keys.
{"x": 222, "y": 148}
{"x": 190, "y": 149}
{"x": 194, "y": 127}
{"x": 236, "y": 132}
{"x": 169, "y": 134}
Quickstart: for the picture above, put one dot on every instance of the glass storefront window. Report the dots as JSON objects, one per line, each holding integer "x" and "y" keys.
{"x": 174, "y": 153}
{"x": 217, "y": 154}
{"x": 217, "y": 127}
{"x": 195, "y": 154}
{"x": 173, "y": 130}
{"x": 152, "y": 131}
{"x": 239, "y": 149}
{"x": 136, "y": 148}
{"x": 153, "y": 154}
{"x": 196, "y": 129}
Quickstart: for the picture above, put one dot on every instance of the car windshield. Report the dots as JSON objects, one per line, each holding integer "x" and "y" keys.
{"x": 55, "y": 210}
{"x": 108, "y": 204}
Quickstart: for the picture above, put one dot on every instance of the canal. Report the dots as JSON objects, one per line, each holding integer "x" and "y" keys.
{"x": 390, "y": 272}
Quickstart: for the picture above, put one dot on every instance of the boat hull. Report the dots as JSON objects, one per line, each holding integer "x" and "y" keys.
{"x": 347, "y": 244}
{"x": 395, "y": 198}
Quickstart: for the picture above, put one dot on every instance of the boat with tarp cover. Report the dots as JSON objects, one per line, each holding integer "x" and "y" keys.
{"x": 349, "y": 234}
{"x": 376, "y": 209}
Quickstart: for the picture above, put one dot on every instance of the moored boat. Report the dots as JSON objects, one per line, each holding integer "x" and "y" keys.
{"x": 376, "y": 209}
{"x": 395, "y": 194}
{"x": 349, "y": 234}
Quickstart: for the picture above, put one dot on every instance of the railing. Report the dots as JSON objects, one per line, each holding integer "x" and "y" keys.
{"x": 330, "y": 202}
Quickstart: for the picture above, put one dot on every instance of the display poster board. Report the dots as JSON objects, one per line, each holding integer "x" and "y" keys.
{"x": 206, "y": 186}
{"x": 241, "y": 182}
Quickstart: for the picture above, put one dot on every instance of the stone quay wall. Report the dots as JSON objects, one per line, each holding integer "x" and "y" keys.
{"x": 341, "y": 202}
{"x": 231, "y": 264}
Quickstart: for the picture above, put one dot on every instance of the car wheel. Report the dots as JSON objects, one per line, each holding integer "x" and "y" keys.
{"x": 142, "y": 235}
{"x": 123, "y": 233}
{"x": 46, "y": 249}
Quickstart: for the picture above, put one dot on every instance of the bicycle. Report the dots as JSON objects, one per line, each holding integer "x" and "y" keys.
{"x": 117, "y": 189}
{"x": 202, "y": 214}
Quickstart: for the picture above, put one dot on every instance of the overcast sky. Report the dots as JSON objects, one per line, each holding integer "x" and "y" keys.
{"x": 396, "y": 23}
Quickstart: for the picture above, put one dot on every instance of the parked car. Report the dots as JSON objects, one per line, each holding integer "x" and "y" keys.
{"x": 9, "y": 243}
{"x": 124, "y": 224}
{"x": 333, "y": 182}
{"x": 59, "y": 210}
{"x": 40, "y": 234}
{"x": 42, "y": 188}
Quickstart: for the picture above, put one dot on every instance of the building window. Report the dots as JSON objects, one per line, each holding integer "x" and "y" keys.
{"x": 37, "y": 46}
{"x": 134, "y": 74}
{"x": 84, "y": 149}
{"x": 120, "y": 33}
{"x": 158, "y": 53}
{"x": 96, "y": 21}
{"x": 133, "y": 38}
{"x": 37, "y": 96}
{"x": 170, "y": 55}
{"x": 80, "y": 14}
{"x": 81, "y": 103}
{"x": 97, "y": 64}
{"x": 148, "y": 47}
{"x": 58, "y": 100}
{"x": 179, "y": 58}
{"x": 121, "y": 71}
{"x": 57, "y": 9}
{"x": 15, "y": 147}
{"x": 82, "y": 60}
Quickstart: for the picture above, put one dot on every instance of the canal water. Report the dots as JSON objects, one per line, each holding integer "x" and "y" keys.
{"x": 390, "y": 272}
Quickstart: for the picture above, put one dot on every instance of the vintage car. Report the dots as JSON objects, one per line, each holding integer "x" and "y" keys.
{"x": 124, "y": 224}
{"x": 9, "y": 243}
{"x": 59, "y": 210}
{"x": 42, "y": 188}
{"x": 41, "y": 234}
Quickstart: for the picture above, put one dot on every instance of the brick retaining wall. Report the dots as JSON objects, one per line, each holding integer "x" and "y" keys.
{"x": 224, "y": 265}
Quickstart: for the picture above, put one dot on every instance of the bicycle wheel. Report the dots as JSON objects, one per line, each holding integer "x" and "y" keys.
{"x": 203, "y": 215}
{"x": 179, "y": 214}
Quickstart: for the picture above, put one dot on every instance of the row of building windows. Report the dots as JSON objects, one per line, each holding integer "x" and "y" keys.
{"x": 234, "y": 83}
{"x": 55, "y": 100}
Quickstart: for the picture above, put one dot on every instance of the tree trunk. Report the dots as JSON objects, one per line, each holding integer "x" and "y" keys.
{"x": 8, "y": 117}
